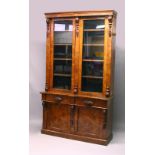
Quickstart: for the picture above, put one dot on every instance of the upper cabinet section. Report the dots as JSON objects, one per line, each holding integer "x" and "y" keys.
{"x": 79, "y": 49}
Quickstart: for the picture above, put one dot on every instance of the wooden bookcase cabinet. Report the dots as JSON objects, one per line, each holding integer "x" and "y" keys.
{"x": 77, "y": 101}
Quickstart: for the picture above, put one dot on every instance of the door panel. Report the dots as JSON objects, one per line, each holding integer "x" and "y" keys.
{"x": 90, "y": 121}
{"x": 91, "y": 72}
{"x": 63, "y": 43}
{"x": 58, "y": 117}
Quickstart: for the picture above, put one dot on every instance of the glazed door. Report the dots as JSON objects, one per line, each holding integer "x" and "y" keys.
{"x": 92, "y": 56}
{"x": 63, "y": 42}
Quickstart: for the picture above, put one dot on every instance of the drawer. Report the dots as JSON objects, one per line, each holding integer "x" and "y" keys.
{"x": 82, "y": 101}
{"x": 58, "y": 99}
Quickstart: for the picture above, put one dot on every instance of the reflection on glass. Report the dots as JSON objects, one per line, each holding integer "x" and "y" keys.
{"x": 63, "y": 67}
{"x": 63, "y": 32}
{"x": 62, "y": 54}
{"x": 93, "y": 52}
{"x": 94, "y": 24}
{"x": 93, "y": 37}
{"x": 92, "y": 68}
{"x": 63, "y": 26}
{"x": 92, "y": 56}
{"x": 62, "y": 51}
{"x": 62, "y": 37}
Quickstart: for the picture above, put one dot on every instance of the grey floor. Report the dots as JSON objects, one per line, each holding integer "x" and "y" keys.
{"x": 41, "y": 144}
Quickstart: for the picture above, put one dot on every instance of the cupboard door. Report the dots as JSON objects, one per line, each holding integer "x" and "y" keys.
{"x": 91, "y": 56}
{"x": 63, "y": 54}
{"x": 58, "y": 117}
{"x": 91, "y": 122}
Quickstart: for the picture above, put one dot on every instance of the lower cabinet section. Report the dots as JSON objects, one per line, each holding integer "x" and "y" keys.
{"x": 75, "y": 120}
{"x": 90, "y": 122}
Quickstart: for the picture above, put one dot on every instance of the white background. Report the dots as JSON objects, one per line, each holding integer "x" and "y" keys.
{"x": 14, "y": 64}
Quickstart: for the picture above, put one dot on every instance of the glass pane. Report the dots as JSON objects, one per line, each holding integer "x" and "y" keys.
{"x": 62, "y": 54}
{"x": 95, "y": 37}
{"x": 62, "y": 82}
{"x": 63, "y": 25}
{"x": 93, "y": 56}
{"x": 63, "y": 67}
{"x": 63, "y": 51}
{"x": 92, "y": 85}
{"x": 61, "y": 37}
{"x": 92, "y": 68}
{"x": 94, "y": 24}
{"x": 93, "y": 52}
{"x": 63, "y": 32}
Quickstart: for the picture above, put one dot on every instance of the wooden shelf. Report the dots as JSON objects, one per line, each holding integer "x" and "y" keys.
{"x": 92, "y": 30}
{"x": 64, "y": 31}
{"x": 67, "y": 59}
{"x": 92, "y": 60}
{"x": 64, "y": 75}
{"x": 65, "y": 44}
{"x": 92, "y": 77}
{"x": 93, "y": 44}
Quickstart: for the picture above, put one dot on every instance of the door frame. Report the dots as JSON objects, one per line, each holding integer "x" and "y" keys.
{"x": 106, "y": 61}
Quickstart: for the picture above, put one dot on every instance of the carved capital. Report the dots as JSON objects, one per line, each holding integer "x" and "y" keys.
{"x": 48, "y": 25}
{"x": 77, "y": 26}
{"x": 109, "y": 17}
{"x": 77, "y": 19}
{"x": 48, "y": 20}
{"x": 110, "y": 27}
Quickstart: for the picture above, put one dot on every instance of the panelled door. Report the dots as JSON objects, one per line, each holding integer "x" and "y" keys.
{"x": 58, "y": 117}
{"x": 91, "y": 121}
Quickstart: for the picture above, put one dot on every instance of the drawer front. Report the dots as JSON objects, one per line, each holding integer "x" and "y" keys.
{"x": 58, "y": 99}
{"x": 91, "y": 102}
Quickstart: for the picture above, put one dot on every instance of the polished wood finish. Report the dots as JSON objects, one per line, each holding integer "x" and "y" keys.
{"x": 73, "y": 113}
{"x": 102, "y": 13}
